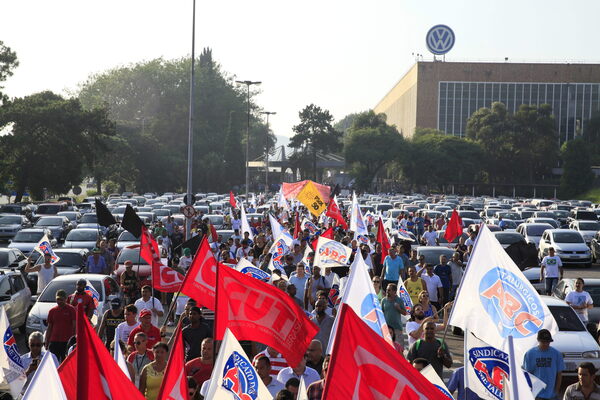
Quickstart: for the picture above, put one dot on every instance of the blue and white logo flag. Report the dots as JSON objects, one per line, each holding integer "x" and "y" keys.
{"x": 405, "y": 296}
{"x": 330, "y": 253}
{"x": 360, "y": 295}
{"x": 487, "y": 368}
{"x": 495, "y": 299}
{"x": 307, "y": 224}
{"x": 246, "y": 267}
{"x": 245, "y": 224}
{"x": 305, "y": 260}
{"x": 279, "y": 249}
{"x": 432, "y": 376}
{"x": 233, "y": 376}
{"x": 89, "y": 289}
{"x": 44, "y": 247}
{"x": 281, "y": 201}
{"x": 357, "y": 223}
{"x": 11, "y": 369}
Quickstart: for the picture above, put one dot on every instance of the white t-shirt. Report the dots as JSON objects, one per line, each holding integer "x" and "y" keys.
{"x": 410, "y": 327}
{"x": 580, "y": 298}
{"x": 236, "y": 224}
{"x": 185, "y": 262}
{"x": 552, "y": 264}
{"x": 433, "y": 283}
{"x": 147, "y": 305}
{"x": 430, "y": 238}
{"x": 123, "y": 330}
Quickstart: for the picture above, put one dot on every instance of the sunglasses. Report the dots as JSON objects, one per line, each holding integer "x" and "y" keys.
{"x": 138, "y": 343}
{"x": 376, "y": 280}
{"x": 35, "y": 345}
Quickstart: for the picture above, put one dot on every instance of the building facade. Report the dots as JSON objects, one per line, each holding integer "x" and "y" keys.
{"x": 443, "y": 95}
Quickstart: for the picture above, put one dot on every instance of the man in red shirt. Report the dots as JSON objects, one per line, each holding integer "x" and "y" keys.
{"x": 81, "y": 297}
{"x": 152, "y": 332}
{"x": 200, "y": 368}
{"x": 61, "y": 326}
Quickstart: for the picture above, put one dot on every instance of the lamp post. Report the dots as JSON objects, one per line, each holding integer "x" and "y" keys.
{"x": 188, "y": 221}
{"x": 248, "y": 84}
{"x": 267, "y": 113}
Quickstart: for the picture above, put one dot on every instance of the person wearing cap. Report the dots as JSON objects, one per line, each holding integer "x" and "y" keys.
{"x": 150, "y": 303}
{"x": 186, "y": 260}
{"x": 546, "y": 363}
{"x": 61, "y": 326}
{"x": 152, "y": 332}
{"x": 585, "y": 388}
{"x": 81, "y": 297}
{"x": 110, "y": 320}
{"x": 96, "y": 264}
{"x": 130, "y": 283}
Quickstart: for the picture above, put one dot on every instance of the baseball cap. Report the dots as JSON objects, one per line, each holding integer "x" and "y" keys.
{"x": 544, "y": 335}
{"x": 115, "y": 303}
{"x": 145, "y": 313}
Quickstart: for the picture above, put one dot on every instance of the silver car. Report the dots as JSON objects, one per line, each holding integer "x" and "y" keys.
{"x": 15, "y": 297}
{"x": 10, "y": 224}
{"x": 26, "y": 239}
{"x": 58, "y": 225}
{"x": 82, "y": 238}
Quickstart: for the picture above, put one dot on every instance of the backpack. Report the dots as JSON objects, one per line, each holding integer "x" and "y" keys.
{"x": 418, "y": 344}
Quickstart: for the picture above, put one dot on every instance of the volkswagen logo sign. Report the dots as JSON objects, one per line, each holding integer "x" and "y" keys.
{"x": 440, "y": 39}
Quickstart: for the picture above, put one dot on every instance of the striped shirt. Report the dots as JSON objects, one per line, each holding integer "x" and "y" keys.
{"x": 277, "y": 363}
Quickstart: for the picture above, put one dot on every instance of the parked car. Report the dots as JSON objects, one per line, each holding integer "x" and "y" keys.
{"x": 26, "y": 239}
{"x": 432, "y": 253}
{"x": 10, "y": 224}
{"x": 532, "y": 232}
{"x": 106, "y": 286}
{"x": 595, "y": 247}
{"x": 72, "y": 261}
{"x": 550, "y": 221}
{"x": 12, "y": 258}
{"x": 59, "y": 226}
{"x": 73, "y": 216}
{"x": 579, "y": 214}
{"x": 508, "y": 238}
{"x": 587, "y": 228}
{"x": 569, "y": 246}
{"x": 443, "y": 242}
{"x": 82, "y": 238}
{"x": 51, "y": 209}
{"x": 15, "y": 297}
{"x": 572, "y": 340}
{"x": 126, "y": 239}
{"x": 89, "y": 218}
{"x": 592, "y": 286}
{"x": 533, "y": 276}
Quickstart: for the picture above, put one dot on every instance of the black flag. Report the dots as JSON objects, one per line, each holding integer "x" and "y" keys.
{"x": 105, "y": 218}
{"x": 192, "y": 243}
{"x": 132, "y": 222}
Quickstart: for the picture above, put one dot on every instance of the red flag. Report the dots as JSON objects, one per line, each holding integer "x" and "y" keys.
{"x": 90, "y": 372}
{"x": 454, "y": 227}
{"x": 174, "y": 384}
{"x": 213, "y": 232}
{"x": 232, "y": 200}
{"x": 164, "y": 278}
{"x": 328, "y": 233}
{"x": 254, "y": 310}
{"x": 382, "y": 238}
{"x": 362, "y": 367}
{"x": 297, "y": 228}
{"x": 199, "y": 282}
{"x": 333, "y": 211}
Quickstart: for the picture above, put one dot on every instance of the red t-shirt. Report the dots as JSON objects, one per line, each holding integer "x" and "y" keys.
{"x": 85, "y": 300}
{"x": 131, "y": 357}
{"x": 61, "y": 319}
{"x": 198, "y": 370}
{"x": 153, "y": 335}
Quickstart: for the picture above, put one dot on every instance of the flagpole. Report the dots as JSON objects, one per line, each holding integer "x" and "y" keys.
{"x": 513, "y": 369}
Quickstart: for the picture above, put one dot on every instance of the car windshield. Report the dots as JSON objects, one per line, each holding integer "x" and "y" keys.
{"x": 542, "y": 214}
{"x": 536, "y": 230}
{"x": 127, "y": 236}
{"x": 49, "y": 222}
{"x": 509, "y": 215}
{"x": 432, "y": 256}
{"x": 8, "y": 220}
{"x": 589, "y": 226}
{"x": 566, "y": 319}
{"x": 567, "y": 237}
{"x": 469, "y": 214}
{"x": 28, "y": 237}
{"x": 589, "y": 215}
{"x": 89, "y": 219}
{"x": 81, "y": 235}
{"x": 49, "y": 293}
{"x": 131, "y": 255}
{"x": 526, "y": 214}
{"x": 216, "y": 219}
{"x": 4, "y": 259}
{"x": 66, "y": 259}
{"x": 10, "y": 209}
{"x": 48, "y": 209}
{"x": 508, "y": 238}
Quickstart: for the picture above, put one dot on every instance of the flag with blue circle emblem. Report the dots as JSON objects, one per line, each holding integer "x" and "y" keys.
{"x": 45, "y": 247}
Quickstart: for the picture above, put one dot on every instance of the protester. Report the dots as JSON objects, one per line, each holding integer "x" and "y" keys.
{"x": 551, "y": 270}
{"x": 393, "y": 308}
{"x": 315, "y": 389}
{"x": 415, "y": 327}
{"x": 31, "y": 361}
{"x": 194, "y": 333}
{"x": 277, "y": 361}
{"x": 200, "y": 368}
{"x": 430, "y": 237}
{"x": 148, "y": 302}
{"x": 314, "y": 355}
{"x": 61, "y": 326}
{"x": 45, "y": 272}
{"x": 263, "y": 368}
{"x": 393, "y": 268}
{"x": 457, "y": 271}
{"x": 110, "y": 320}
{"x": 96, "y": 264}
{"x": 80, "y": 297}
{"x": 444, "y": 272}
{"x": 153, "y": 373}
{"x": 299, "y": 371}
{"x": 434, "y": 286}
{"x": 140, "y": 356}
{"x": 130, "y": 283}
{"x": 153, "y": 334}
{"x": 457, "y": 383}
{"x": 586, "y": 387}
{"x": 124, "y": 328}
{"x": 414, "y": 285}
{"x": 432, "y": 349}
{"x": 377, "y": 286}
{"x": 323, "y": 321}
{"x": 428, "y": 309}
{"x": 313, "y": 284}
{"x": 420, "y": 363}
{"x": 580, "y": 300}
{"x": 546, "y": 363}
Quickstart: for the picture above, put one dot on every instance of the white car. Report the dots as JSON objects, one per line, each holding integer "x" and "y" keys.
{"x": 568, "y": 244}
{"x": 587, "y": 229}
{"x": 26, "y": 239}
{"x": 573, "y": 340}
{"x": 106, "y": 286}
{"x": 533, "y": 232}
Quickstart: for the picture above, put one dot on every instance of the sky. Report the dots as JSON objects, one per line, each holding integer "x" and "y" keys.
{"x": 343, "y": 56}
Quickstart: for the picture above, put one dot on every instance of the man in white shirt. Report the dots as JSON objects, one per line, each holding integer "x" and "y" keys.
{"x": 147, "y": 302}
{"x": 434, "y": 286}
{"x": 186, "y": 260}
{"x": 124, "y": 328}
{"x": 331, "y": 277}
{"x": 263, "y": 368}
{"x": 580, "y": 300}
{"x": 430, "y": 237}
{"x": 242, "y": 252}
{"x": 551, "y": 269}
{"x": 310, "y": 375}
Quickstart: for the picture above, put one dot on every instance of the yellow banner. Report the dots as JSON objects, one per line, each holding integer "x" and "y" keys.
{"x": 310, "y": 197}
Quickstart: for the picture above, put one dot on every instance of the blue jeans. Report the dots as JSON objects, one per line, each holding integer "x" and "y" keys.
{"x": 550, "y": 285}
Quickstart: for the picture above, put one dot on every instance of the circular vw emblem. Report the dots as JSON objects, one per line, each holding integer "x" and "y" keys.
{"x": 440, "y": 39}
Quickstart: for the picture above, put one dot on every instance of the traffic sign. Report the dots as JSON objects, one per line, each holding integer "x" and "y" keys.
{"x": 185, "y": 200}
{"x": 189, "y": 211}
{"x": 440, "y": 39}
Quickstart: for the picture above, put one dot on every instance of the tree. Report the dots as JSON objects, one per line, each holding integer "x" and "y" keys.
{"x": 344, "y": 124}
{"x": 591, "y": 135}
{"x": 8, "y": 62}
{"x": 50, "y": 141}
{"x": 369, "y": 145}
{"x": 315, "y": 132}
{"x": 577, "y": 175}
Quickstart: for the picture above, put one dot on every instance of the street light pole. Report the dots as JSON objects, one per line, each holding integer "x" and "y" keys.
{"x": 248, "y": 84}
{"x": 188, "y": 221}
{"x": 267, "y": 113}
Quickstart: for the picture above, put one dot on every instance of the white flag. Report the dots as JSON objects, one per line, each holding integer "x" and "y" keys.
{"x": 245, "y": 224}
{"x": 281, "y": 201}
{"x": 246, "y": 267}
{"x": 11, "y": 368}
{"x": 44, "y": 247}
{"x": 330, "y": 253}
{"x": 233, "y": 376}
{"x": 495, "y": 299}
{"x": 357, "y": 223}
{"x": 307, "y": 224}
{"x": 45, "y": 383}
{"x": 120, "y": 359}
{"x": 279, "y": 249}
{"x": 486, "y": 367}
{"x": 276, "y": 227}
{"x": 360, "y": 295}
{"x": 518, "y": 388}
{"x": 432, "y": 376}
{"x": 302, "y": 395}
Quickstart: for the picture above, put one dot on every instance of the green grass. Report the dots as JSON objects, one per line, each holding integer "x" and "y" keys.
{"x": 592, "y": 195}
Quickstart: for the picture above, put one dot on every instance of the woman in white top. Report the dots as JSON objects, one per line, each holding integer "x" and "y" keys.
{"x": 46, "y": 271}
